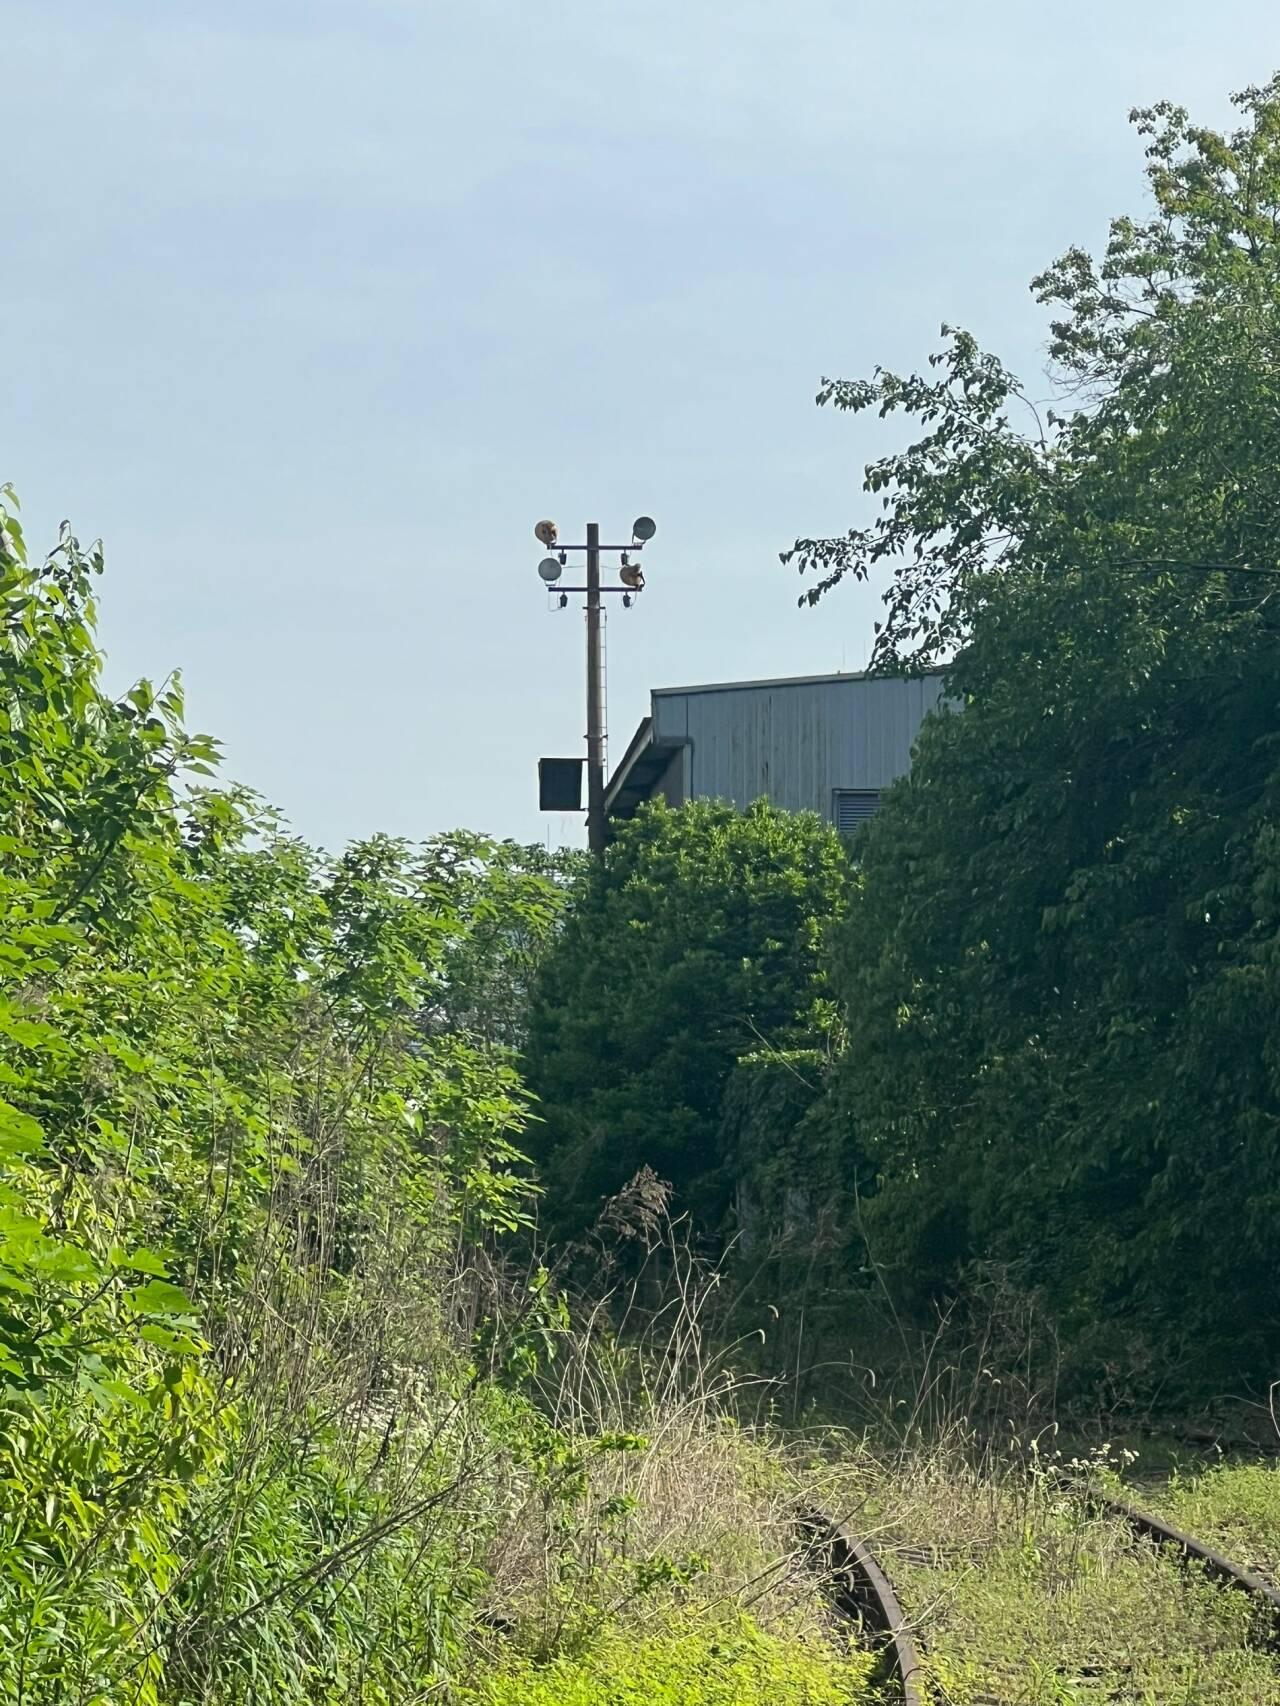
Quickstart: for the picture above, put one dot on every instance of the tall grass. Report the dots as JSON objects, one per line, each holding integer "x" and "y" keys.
{"x": 662, "y": 1496}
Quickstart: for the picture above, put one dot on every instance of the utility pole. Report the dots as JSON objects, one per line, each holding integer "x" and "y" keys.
{"x": 561, "y": 777}
{"x": 595, "y": 697}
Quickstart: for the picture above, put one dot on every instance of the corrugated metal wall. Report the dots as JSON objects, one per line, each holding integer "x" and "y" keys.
{"x": 794, "y": 742}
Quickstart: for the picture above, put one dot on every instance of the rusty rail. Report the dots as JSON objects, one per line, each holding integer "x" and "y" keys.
{"x": 864, "y": 1592}
{"x": 1162, "y": 1533}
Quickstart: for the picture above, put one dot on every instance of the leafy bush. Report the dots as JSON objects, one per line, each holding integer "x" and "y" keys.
{"x": 256, "y": 1106}
{"x": 695, "y": 942}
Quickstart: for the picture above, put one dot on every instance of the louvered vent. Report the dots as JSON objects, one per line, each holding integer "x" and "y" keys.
{"x": 853, "y": 806}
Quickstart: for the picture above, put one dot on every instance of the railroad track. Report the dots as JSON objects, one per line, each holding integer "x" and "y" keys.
{"x": 1153, "y": 1528}
{"x": 864, "y": 1593}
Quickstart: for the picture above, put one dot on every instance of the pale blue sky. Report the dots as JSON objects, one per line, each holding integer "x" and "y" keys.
{"x": 311, "y": 310}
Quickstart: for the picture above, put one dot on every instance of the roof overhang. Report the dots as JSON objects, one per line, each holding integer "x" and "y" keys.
{"x": 640, "y": 768}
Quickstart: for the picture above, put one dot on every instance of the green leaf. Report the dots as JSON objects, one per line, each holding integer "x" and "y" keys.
{"x": 138, "y": 1261}
{"x": 17, "y": 1225}
{"x": 20, "y": 1135}
{"x": 167, "y": 1339}
{"x": 64, "y": 1264}
{"x": 159, "y": 1297}
{"x": 28, "y": 1033}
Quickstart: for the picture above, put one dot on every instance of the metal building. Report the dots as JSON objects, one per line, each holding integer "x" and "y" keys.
{"x": 823, "y": 743}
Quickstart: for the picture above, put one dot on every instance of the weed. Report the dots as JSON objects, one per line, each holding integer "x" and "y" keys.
{"x": 696, "y": 1663}
{"x": 1020, "y": 1594}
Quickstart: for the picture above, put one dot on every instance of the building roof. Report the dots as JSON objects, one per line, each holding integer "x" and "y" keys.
{"x": 794, "y": 681}
{"x": 645, "y": 758}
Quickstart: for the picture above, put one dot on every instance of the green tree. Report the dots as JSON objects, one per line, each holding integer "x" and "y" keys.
{"x": 507, "y": 900}
{"x": 1166, "y": 350}
{"x": 1059, "y": 967}
{"x": 696, "y": 941}
{"x": 240, "y": 1149}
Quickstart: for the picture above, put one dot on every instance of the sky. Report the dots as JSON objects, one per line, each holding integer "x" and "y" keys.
{"x": 311, "y": 310}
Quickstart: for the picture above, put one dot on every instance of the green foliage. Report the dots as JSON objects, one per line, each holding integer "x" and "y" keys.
{"x": 763, "y": 1127}
{"x": 1059, "y": 970}
{"x": 1170, "y": 343}
{"x": 507, "y": 901}
{"x": 244, "y": 1132}
{"x": 695, "y": 942}
{"x": 696, "y": 1664}
{"x": 261, "y": 1406}
{"x": 592, "y": 1572}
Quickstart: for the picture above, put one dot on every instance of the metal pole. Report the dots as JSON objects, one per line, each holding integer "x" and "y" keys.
{"x": 595, "y": 706}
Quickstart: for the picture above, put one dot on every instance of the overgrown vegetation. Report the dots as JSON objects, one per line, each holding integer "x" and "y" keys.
{"x": 694, "y": 948}
{"x": 280, "y": 1422}
{"x": 243, "y": 1454}
{"x": 284, "y": 1421}
{"x": 1234, "y": 1507}
{"x": 658, "y": 1550}
{"x": 1059, "y": 966}
{"x": 693, "y": 1664}
{"x": 1017, "y": 1592}
{"x": 1043, "y": 1059}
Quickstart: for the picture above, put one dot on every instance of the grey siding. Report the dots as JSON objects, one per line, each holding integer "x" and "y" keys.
{"x": 793, "y": 742}
{"x": 670, "y": 785}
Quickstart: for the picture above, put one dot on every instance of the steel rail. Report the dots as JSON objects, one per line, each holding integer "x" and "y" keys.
{"x": 1161, "y": 1533}
{"x": 864, "y": 1592}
